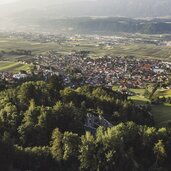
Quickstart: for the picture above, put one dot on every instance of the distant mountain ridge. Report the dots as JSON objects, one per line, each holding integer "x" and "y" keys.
{"x": 74, "y": 15}
{"x": 90, "y": 25}
{"x": 111, "y": 25}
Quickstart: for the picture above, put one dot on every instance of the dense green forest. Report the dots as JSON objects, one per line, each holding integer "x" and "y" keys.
{"x": 42, "y": 128}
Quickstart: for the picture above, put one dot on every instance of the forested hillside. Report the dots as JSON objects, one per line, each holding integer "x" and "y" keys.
{"x": 95, "y": 25}
{"x": 42, "y": 128}
{"x": 112, "y": 25}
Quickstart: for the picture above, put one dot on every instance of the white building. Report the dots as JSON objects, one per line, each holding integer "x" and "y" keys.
{"x": 20, "y": 76}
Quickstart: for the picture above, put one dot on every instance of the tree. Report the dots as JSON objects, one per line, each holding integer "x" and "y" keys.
{"x": 33, "y": 133}
{"x": 69, "y": 118}
{"x": 56, "y": 145}
{"x": 9, "y": 119}
{"x": 33, "y": 90}
{"x": 87, "y": 157}
{"x": 36, "y": 158}
{"x": 55, "y": 84}
{"x": 147, "y": 93}
{"x": 6, "y": 152}
{"x": 160, "y": 152}
{"x": 71, "y": 142}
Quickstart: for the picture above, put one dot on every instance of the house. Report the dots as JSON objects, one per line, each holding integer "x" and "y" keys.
{"x": 20, "y": 76}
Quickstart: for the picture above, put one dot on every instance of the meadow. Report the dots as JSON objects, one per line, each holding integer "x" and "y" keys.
{"x": 14, "y": 67}
{"x": 138, "y": 50}
{"x": 162, "y": 112}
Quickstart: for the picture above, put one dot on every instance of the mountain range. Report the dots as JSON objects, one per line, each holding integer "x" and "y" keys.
{"x": 42, "y": 12}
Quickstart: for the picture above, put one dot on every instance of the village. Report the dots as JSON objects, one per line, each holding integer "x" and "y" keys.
{"x": 78, "y": 66}
{"x": 78, "y": 69}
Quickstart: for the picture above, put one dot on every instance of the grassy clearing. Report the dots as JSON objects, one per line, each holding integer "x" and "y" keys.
{"x": 162, "y": 114}
{"x": 138, "y": 99}
{"x": 13, "y": 67}
{"x": 165, "y": 93}
{"x": 138, "y": 91}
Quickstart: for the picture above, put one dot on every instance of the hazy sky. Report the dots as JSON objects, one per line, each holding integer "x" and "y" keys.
{"x": 59, "y": 1}
{"x": 6, "y": 1}
{"x": 60, "y": 8}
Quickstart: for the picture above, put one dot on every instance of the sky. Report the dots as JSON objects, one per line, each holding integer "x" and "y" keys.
{"x": 60, "y": 8}
{"x": 6, "y": 1}
{"x": 59, "y": 1}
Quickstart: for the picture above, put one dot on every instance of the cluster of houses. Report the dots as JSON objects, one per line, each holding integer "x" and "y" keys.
{"x": 79, "y": 69}
{"x": 11, "y": 77}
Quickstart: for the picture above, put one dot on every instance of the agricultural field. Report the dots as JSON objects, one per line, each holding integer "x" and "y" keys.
{"x": 145, "y": 51}
{"x": 13, "y": 66}
{"x": 131, "y": 49}
{"x": 35, "y": 47}
{"x": 137, "y": 50}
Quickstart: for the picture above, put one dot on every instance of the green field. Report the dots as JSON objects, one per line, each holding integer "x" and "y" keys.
{"x": 145, "y": 50}
{"x": 138, "y": 50}
{"x": 35, "y": 47}
{"x": 161, "y": 113}
{"x": 13, "y": 66}
{"x": 165, "y": 93}
{"x": 139, "y": 99}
